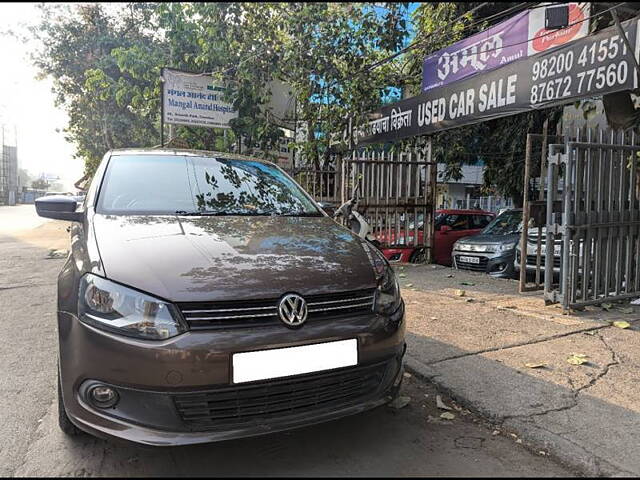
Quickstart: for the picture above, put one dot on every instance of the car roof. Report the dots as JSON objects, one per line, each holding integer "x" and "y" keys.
{"x": 185, "y": 152}
{"x": 469, "y": 212}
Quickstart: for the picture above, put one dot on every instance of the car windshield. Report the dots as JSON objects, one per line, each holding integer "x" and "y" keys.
{"x": 508, "y": 223}
{"x": 192, "y": 185}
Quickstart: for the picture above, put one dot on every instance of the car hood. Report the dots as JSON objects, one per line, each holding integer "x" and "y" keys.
{"x": 190, "y": 259}
{"x": 485, "y": 239}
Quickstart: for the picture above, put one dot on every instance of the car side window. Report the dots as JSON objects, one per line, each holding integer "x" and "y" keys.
{"x": 457, "y": 221}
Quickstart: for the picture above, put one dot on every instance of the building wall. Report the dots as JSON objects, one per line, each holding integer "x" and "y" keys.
{"x": 9, "y": 175}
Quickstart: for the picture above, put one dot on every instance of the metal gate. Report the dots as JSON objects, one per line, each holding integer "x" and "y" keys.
{"x": 395, "y": 188}
{"x": 593, "y": 219}
{"x": 396, "y": 191}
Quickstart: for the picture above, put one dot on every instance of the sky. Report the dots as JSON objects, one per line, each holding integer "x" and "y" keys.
{"x": 26, "y": 104}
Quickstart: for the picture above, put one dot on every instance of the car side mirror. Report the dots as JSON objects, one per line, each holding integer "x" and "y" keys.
{"x": 445, "y": 229}
{"x": 58, "y": 207}
{"x": 329, "y": 208}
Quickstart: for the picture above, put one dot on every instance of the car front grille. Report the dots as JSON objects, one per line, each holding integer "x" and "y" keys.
{"x": 252, "y": 313}
{"x": 532, "y": 259}
{"x": 279, "y": 398}
{"x": 476, "y": 267}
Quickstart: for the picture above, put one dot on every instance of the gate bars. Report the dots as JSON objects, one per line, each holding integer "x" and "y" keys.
{"x": 395, "y": 188}
{"x": 396, "y": 192}
{"x": 597, "y": 230}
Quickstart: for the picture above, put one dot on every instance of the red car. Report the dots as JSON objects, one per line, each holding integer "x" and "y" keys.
{"x": 450, "y": 225}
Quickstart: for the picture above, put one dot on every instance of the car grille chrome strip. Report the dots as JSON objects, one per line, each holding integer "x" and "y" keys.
{"x": 313, "y": 304}
{"x": 341, "y": 307}
{"x": 222, "y": 310}
{"x": 211, "y": 315}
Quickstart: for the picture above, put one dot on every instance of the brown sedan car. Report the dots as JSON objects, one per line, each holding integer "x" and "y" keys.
{"x": 206, "y": 296}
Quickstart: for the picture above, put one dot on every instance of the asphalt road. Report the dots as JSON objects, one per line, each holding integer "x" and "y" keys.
{"x": 413, "y": 440}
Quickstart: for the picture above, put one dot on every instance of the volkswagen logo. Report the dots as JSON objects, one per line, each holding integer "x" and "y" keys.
{"x": 292, "y": 310}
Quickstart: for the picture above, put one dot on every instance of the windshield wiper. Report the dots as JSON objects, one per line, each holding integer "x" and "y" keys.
{"x": 301, "y": 214}
{"x": 218, "y": 213}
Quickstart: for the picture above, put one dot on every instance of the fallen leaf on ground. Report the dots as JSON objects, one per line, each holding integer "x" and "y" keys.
{"x": 400, "y": 402}
{"x": 408, "y": 285}
{"x": 626, "y": 310}
{"x": 607, "y": 306}
{"x": 447, "y": 416}
{"x": 577, "y": 358}
{"x": 407, "y": 375}
{"x": 440, "y": 404}
{"x": 471, "y": 284}
{"x": 621, "y": 324}
{"x": 460, "y": 293}
{"x": 402, "y": 275}
{"x": 535, "y": 365}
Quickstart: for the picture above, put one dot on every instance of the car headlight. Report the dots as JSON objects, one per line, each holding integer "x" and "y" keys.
{"x": 460, "y": 246}
{"x": 505, "y": 247}
{"x": 387, "y": 296}
{"x": 113, "y": 307}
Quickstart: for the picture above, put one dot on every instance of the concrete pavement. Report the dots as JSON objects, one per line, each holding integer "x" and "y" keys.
{"x": 476, "y": 347}
{"x": 385, "y": 442}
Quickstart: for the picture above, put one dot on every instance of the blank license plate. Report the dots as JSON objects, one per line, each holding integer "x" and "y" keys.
{"x": 283, "y": 362}
{"x": 469, "y": 259}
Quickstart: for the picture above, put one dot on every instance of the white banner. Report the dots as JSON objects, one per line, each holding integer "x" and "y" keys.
{"x": 193, "y": 99}
{"x": 543, "y": 39}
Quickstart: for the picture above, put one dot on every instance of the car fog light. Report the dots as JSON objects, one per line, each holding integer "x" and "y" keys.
{"x": 103, "y": 397}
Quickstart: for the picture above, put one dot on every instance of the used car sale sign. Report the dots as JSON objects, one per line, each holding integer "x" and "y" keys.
{"x": 193, "y": 99}
{"x": 595, "y": 65}
{"x": 518, "y": 37}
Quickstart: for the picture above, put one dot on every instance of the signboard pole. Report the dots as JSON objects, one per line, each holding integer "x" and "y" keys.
{"x": 525, "y": 217}
{"x": 162, "y": 107}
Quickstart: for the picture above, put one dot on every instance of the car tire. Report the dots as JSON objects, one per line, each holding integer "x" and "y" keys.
{"x": 418, "y": 256}
{"x": 63, "y": 419}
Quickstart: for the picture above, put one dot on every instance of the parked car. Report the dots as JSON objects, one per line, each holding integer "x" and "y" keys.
{"x": 532, "y": 248}
{"x": 450, "y": 225}
{"x": 208, "y": 297}
{"x": 493, "y": 250}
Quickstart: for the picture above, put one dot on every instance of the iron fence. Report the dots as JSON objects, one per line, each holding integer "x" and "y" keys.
{"x": 595, "y": 234}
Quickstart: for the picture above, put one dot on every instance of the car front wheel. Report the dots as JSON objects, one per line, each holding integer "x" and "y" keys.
{"x": 63, "y": 419}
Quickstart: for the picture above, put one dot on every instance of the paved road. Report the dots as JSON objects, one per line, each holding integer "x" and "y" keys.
{"x": 388, "y": 442}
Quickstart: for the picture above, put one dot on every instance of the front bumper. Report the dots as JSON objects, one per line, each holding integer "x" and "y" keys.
{"x": 531, "y": 263}
{"x": 155, "y": 380}
{"x": 496, "y": 264}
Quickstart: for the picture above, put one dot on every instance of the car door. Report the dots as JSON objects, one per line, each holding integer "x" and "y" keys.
{"x": 457, "y": 227}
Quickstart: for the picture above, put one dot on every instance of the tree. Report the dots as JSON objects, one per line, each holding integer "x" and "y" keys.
{"x": 106, "y": 66}
{"x": 76, "y": 51}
